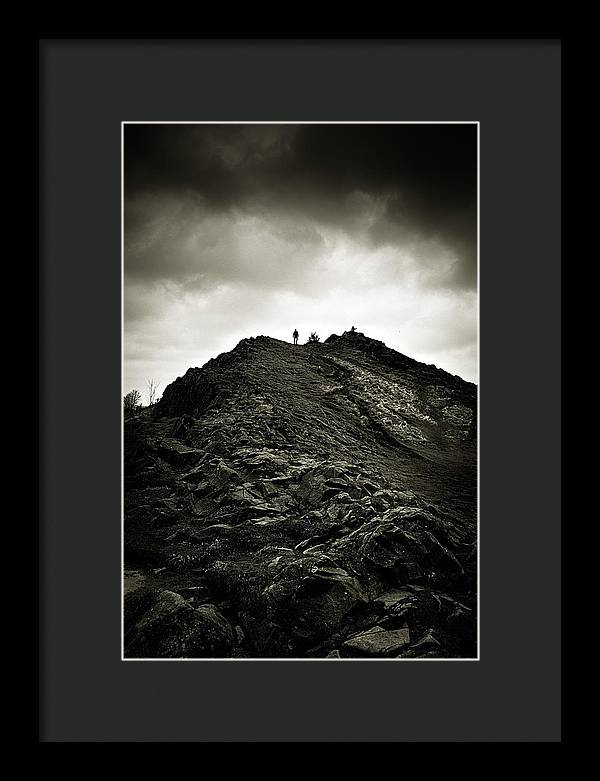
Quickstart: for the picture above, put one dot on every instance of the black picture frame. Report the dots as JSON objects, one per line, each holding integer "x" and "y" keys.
{"x": 513, "y": 89}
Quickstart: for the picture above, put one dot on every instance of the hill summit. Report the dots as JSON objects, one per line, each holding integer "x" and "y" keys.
{"x": 315, "y": 500}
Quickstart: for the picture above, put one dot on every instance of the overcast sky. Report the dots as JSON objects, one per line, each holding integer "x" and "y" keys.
{"x": 239, "y": 230}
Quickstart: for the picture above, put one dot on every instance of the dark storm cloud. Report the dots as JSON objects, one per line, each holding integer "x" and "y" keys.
{"x": 237, "y": 230}
{"x": 423, "y": 179}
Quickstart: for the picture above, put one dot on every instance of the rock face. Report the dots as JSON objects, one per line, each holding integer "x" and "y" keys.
{"x": 304, "y": 501}
{"x": 168, "y": 626}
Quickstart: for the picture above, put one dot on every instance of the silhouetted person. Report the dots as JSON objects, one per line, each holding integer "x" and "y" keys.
{"x": 295, "y": 335}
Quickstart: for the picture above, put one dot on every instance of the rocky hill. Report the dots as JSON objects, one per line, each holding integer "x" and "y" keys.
{"x": 303, "y": 501}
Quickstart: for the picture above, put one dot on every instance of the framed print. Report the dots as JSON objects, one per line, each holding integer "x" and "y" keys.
{"x": 302, "y": 482}
{"x": 300, "y": 497}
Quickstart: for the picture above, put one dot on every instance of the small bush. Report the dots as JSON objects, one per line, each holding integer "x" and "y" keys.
{"x": 313, "y": 338}
{"x": 132, "y": 402}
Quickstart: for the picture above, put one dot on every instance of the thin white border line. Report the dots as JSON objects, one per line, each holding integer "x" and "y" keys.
{"x": 122, "y": 573}
{"x": 291, "y": 122}
{"x": 121, "y": 391}
{"x": 478, "y": 394}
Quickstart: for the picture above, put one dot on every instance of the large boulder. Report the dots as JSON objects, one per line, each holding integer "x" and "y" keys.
{"x": 391, "y": 598}
{"x": 321, "y": 604}
{"x": 171, "y": 627}
{"x": 310, "y": 596}
{"x": 400, "y": 543}
{"x": 175, "y": 452}
{"x": 311, "y": 490}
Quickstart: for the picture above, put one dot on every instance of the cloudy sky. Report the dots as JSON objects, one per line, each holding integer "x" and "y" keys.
{"x": 239, "y": 230}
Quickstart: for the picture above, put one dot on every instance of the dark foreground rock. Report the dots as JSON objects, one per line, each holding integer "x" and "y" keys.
{"x": 168, "y": 625}
{"x": 315, "y": 501}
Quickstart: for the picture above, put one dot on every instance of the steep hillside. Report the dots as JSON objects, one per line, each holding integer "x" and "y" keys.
{"x": 303, "y": 501}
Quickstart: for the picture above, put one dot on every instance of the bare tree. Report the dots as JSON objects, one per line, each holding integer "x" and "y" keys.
{"x": 152, "y": 388}
{"x": 132, "y": 401}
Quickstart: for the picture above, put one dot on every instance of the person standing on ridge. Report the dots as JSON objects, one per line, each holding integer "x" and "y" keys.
{"x": 295, "y": 335}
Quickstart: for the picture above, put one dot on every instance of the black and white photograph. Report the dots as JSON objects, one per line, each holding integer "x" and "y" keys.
{"x": 300, "y": 392}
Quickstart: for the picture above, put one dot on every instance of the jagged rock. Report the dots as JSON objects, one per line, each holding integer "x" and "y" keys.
{"x": 244, "y": 493}
{"x": 420, "y": 611}
{"x": 239, "y": 635}
{"x": 460, "y": 618}
{"x": 391, "y": 598}
{"x": 310, "y": 596}
{"x": 311, "y": 489}
{"x": 267, "y": 489}
{"x": 263, "y": 462}
{"x": 378, "y": 641}
{"x": 383, "y": 500}
{"x": 176, "y": 452}
{"x": 225, "y": 476}
{"x": 426, "y": 643}
{"x": 194, "y": 476}
{"x": 400, "y": 541}
{"x": 182, "y": 426}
